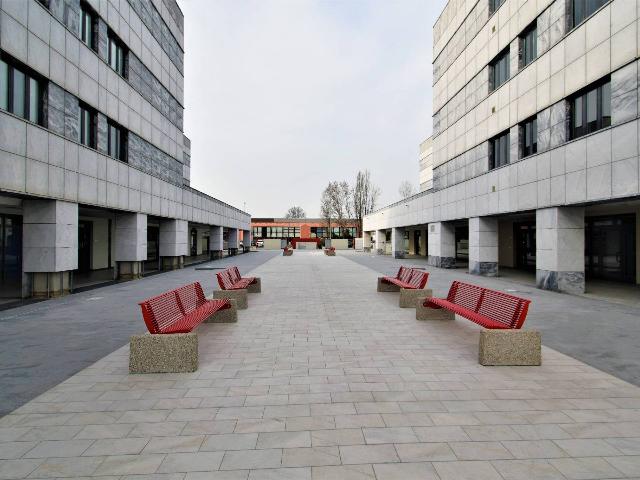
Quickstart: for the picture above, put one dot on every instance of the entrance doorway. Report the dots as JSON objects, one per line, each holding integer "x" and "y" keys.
{"x": 153, "y": 249}
{"x": 85, "y": 230}
{"x": 525, "y": 240}
{"x": 610, "y": 252}
{"x": 10, "y": 256}
{"x": 416, "y": 242}
{"x": 462, "y": 243}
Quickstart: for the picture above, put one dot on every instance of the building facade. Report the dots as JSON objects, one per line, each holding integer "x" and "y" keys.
{"x": 94, "y": 164}
{"x": 294, "y": 229}
{"x": 535, "y": 143}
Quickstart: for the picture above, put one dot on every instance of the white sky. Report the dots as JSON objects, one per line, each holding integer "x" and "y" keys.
{"x": 283, "y": 96}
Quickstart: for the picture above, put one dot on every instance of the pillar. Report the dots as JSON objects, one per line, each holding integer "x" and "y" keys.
{"x": 216, "y": 242}
{"x": 483, "y": 246}
{"x": 381, "y": 240}
{"x": 441, "y": 248}
{"x": 174, "y": 243}
{"x": 397, "y": 242}
{"x": 560, "y": 249}
{"x": 131, "y": 245}
{"x": 412, "y": 243}
{"x": 246, "y": 240}
{"x": 50, "y": 246}
{"x": 423, "y": 242}
{"x": 232, "y": 241}
{"x": 366, "y": 241}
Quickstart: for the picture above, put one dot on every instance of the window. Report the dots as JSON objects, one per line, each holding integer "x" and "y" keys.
{"x": 88, "y": 28}
{"x": 494, "y": 5}
{"x": 591, "y": 109}
{"x": 499, "y": 151}
{"x": 582, "y": 9}
{"x": 117, "y": 141}
{"x": 117, "y": 54}
{"x": 529, "y": 45}
{"x": 529, "y": 137}
{"x": 87, "y": 126}
{"x": 499, "y": 69}
{"x": 20, "y": 92}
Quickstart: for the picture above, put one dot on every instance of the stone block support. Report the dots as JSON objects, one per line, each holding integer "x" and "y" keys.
{"x": 426, "y": 313}
{"x": 174, "y": 243}
{"x": 50, "y": 245}
{"x": 240, "y": 296}
{"x": 216, "y": 242}
{"x": 255, "y": 287}
{"x": 381, "y": 240}
{"x": 510, "y": 347}
{"x": 175, "y": 353}
{"x": 423, "y": 242}
{"x": 228, "y": 315}
{"x": 387, "y": 287}
{"x": 560, "y": 249}
{"x": 409, "y": 297}
{"x": 442, "y": 245}
{"x": 131, "y": 244}
{"x": 232, "y": 241}
{"x": 483, "y": 246}
{"x": 397, "y": 242}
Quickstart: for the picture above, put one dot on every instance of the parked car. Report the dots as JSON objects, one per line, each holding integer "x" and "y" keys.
{"x": 260, "y": 243}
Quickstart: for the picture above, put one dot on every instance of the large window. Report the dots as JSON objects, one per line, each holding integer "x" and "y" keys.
{"x": 117, "y": 141}
{"x": 20, "y": 92}
{"x": 88, "y": 28}
{"x": 499, "y": 151}
{"x": 591, "y": 109}
{"x": 529, "y": 45}
{"x": 494, "y": 5}
{"x": 87, "y": 126}
{"x": 529, "y": 137}
{"x": 117, "y": 54}
{"x": 499, "y": 69}
{"x": 582, "y": 9}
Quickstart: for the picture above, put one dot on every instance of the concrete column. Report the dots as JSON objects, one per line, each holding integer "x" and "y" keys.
{"x": 381, "y": 240}
{"x": 412, "y": 244}
{"x": 423, "y": 242}
{"x": 397, "y": 242}
{"x": 366, "y": 241}
{"x": 232, "y": 241}
{"x": 216, "y": 243}
{"x": 50, "y": 246}
{"x": 131, "y": 244}
{"x": 174, "y": 243}
{"x": 442, "y": 245}
{"x": 483, "y": 246}
{"x": 246, "y": 240}
{"x": 560, "y": 249}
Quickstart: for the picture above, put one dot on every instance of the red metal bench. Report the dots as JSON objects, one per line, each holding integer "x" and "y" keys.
{"x": 230, "y": 279}
{"x": 180, "y": 310}
{"x": 502, "y": 340}
{"x": 486, "y": 307}
{"x": 409, "y": 278}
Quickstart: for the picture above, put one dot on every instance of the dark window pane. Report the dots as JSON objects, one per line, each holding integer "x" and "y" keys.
{"x": 4, "y": 85}
{"x": 606, "y": 104}
{"x": 34, "y": 101}
{"x": 18, "y": 92}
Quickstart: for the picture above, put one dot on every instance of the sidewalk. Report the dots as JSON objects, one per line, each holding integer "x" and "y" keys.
{"x": 324, "y": 378}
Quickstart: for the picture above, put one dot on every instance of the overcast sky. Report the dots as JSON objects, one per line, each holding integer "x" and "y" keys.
{"x": 283, "y": 96}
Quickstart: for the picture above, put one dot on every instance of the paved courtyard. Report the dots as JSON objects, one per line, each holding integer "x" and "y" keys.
{"x": 324, "y": 378}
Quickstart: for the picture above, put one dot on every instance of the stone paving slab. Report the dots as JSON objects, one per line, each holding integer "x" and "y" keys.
{"x": 325, "y": 378}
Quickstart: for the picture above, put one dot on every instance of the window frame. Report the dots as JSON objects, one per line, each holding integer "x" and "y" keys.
{"x": 92, "y": 115}
{"x": 505, "y": 135}
{"x": 122, "y": 141}
{"x": 530, "y": 31}
{"x": 494, "y": 66}
{"x": 584, "y": 16}
{"x": 91, "y": 40}
{"x": 600, "y": 87}
{"x": 29, "y": 77}
{"x": 121, "y": 53}
{"x": 494, "y": 5}
{"x": 523, "y": 137}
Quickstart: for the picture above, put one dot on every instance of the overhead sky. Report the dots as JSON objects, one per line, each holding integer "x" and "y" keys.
{"x": 283, "y": 96}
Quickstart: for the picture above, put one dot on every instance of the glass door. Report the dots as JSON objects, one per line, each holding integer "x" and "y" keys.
{"x": 10, "y": 256}
{"x": 525, "y": 238}
{"x": 610, "y": 248}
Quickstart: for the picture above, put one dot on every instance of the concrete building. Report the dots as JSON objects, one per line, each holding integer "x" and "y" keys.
{"x": 296, "y": 229}
{"x": 535, "y": 144}
{"x": 94, "y": 164}
{"x": 426, "y": 164}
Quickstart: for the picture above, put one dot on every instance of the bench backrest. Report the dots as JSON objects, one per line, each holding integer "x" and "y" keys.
{"x": 224, "y": 279}
{"x": 418, "y": 278}
{"x": 164, "y": 310}
{"x": 235, "y": 274}
{"x": 404, "y": 274}
{"x": 498, "y": 306}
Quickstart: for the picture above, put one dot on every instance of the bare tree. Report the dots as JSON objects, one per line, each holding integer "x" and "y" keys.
{"x": 406, "y": 189}
{"x": 365, "y": 197}
{"x": 295, "y": 212}
{"x": 337, "y": 204}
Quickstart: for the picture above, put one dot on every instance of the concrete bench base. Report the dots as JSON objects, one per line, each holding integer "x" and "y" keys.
{"x": 510, "y": 347}
{"x": 240, "y": 296}
{"x": 330, "y": 253}
{"x": 255, "y": 287}
{"x": 228, "y": 315}
{"x": 424, "y": 313}
{"x": 175, "y": 353}
{"x": 409, "y": 297}
{"x": 287, "y": 253}
{"x": 387, "y": 287}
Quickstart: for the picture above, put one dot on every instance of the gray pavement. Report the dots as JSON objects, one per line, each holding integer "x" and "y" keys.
{"x": 603, "y": 334}
{"x": 45, "y": 343}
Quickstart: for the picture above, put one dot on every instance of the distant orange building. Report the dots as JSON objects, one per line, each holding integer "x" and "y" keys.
{"x": 291, "y": 229}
